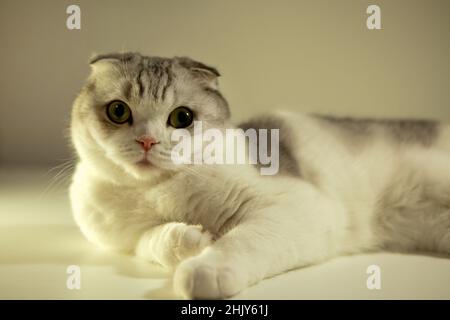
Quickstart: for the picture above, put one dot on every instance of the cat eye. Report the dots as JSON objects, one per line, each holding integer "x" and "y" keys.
{"x": 181, "y": 117}
{"x": 118, "y": 112}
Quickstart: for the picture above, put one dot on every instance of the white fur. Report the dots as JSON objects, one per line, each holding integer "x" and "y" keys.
{"x": 224, "y": 228}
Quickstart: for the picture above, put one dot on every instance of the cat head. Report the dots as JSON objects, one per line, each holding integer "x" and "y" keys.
{"x": 124, "y": 117}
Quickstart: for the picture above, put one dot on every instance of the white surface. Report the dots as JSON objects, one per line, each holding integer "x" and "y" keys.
{"x": 39, "y": 240}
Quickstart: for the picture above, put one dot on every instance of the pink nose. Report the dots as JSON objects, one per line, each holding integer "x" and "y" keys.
{"x": 146, "y": 142}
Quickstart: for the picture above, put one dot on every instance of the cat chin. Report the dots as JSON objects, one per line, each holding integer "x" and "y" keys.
{"x": 144, "y": 171}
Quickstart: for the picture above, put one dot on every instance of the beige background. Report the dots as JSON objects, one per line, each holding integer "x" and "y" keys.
{"x": 314, "y": 56}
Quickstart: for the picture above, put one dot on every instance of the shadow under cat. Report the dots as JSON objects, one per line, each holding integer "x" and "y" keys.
{"x": 65, "y": 245}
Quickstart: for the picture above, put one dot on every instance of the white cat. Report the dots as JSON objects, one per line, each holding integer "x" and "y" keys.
{"x": 344, "y": 186}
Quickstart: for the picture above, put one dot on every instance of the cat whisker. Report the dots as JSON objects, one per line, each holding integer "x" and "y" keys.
{"x": 64, "y": 171}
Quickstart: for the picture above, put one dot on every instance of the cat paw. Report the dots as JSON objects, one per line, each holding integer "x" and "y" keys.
{"x": 184, "y": 241}
{"x": 198, "y": 278}
{"x": 191, "y": 241}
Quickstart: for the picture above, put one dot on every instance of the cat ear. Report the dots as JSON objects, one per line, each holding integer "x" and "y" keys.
{"x": 200, "y": 71}
{"x": 101, "y": 61}
{"x": 113, "y": 57}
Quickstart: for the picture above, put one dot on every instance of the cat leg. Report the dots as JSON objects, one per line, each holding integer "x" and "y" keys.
{"x": 268, "y": 243}
{"x": 170, "y": 243}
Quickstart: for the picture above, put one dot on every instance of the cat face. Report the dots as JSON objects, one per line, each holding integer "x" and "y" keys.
{"x": 131, "y": 104}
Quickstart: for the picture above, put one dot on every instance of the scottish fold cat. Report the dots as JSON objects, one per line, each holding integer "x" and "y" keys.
{"x": 344, "y": 185}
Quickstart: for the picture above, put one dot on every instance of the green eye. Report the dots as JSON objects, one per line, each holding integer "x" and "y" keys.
{"x": 181, "y": 117}
{"x": 118, "y": 112}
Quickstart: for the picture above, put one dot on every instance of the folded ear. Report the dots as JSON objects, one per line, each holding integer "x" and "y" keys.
{"x": 201, "y": 71}
{"x": 105, "y": 62}
{"x": 113, "y": 57}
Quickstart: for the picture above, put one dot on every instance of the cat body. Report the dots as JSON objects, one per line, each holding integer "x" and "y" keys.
{"x": 344, "y": 186}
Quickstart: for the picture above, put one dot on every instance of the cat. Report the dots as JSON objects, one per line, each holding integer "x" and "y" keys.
{"x": 345, "y": 185}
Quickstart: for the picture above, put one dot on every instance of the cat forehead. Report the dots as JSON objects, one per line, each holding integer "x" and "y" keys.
{"x": 152, "y": 77}
{"x": 131, "y": 75}
{"x": 131, "y": 64}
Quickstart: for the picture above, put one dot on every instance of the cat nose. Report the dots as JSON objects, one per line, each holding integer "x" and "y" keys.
{"x": 146, "y": 142}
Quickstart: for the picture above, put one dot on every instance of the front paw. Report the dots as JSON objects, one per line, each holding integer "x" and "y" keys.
{"x": 191, "y": 241}
{"x": 183, "y": 241}
{"x": 205, "y": 278}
